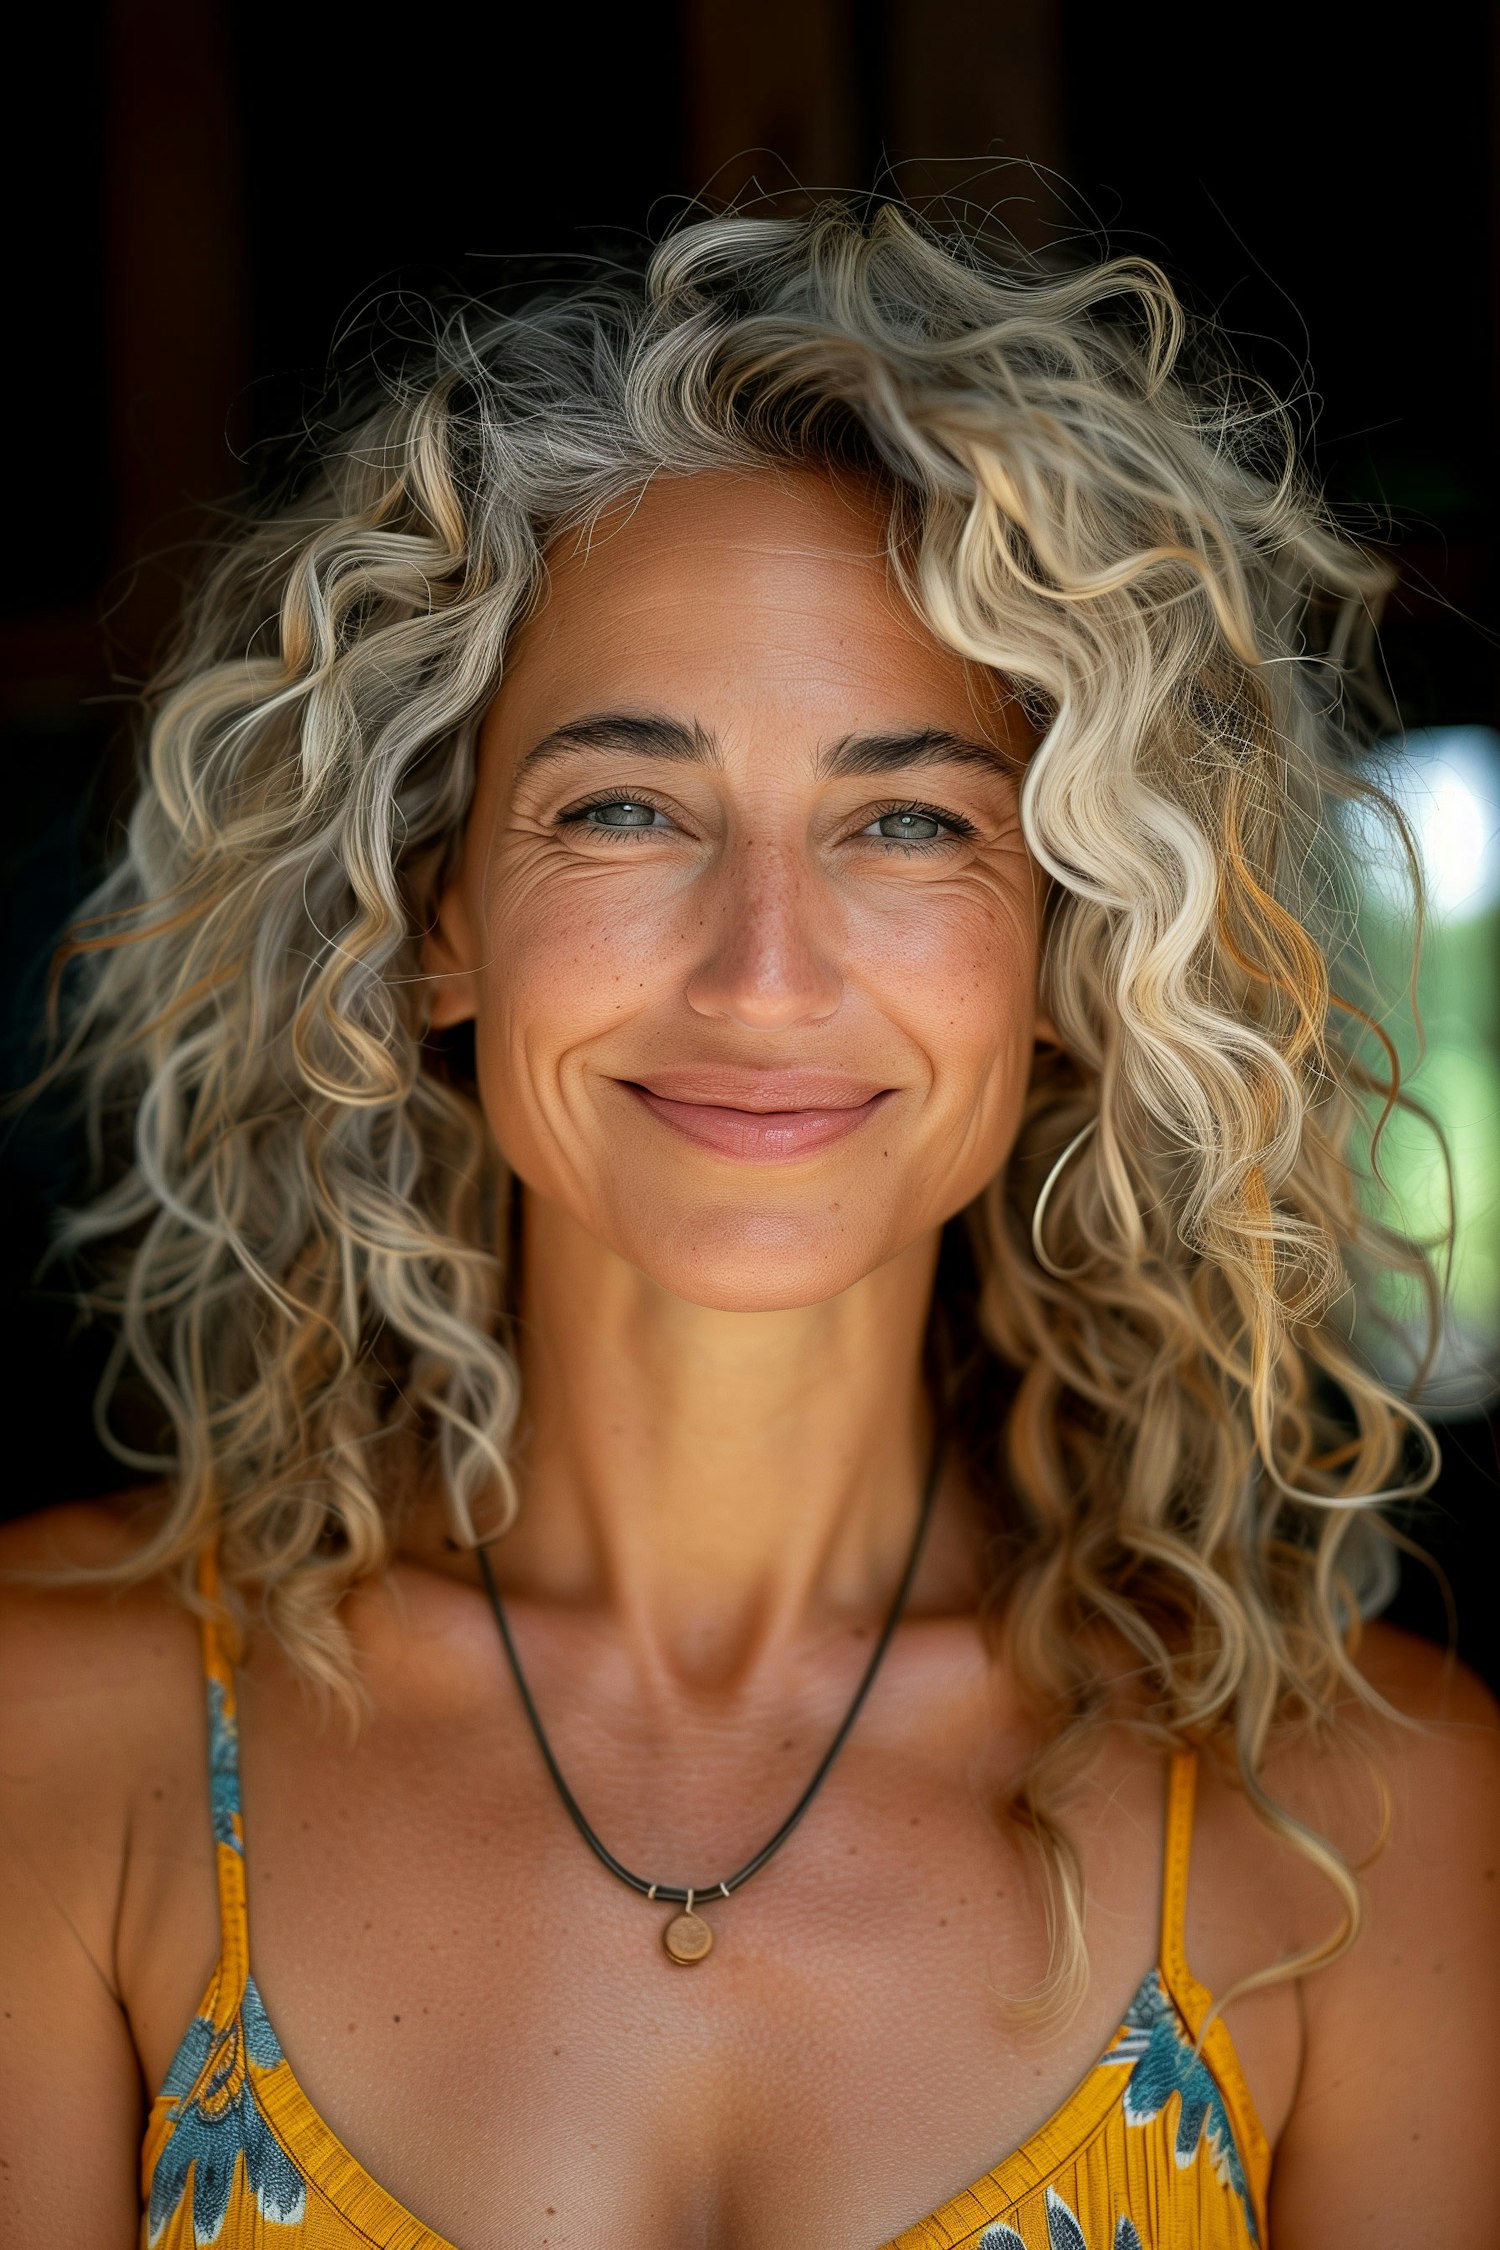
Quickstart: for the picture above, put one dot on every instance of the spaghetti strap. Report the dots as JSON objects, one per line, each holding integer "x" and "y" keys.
{"x": 224, "y": 1784}
{"x": 1193, "y": 2001}
{"x": 1158, "y": 2143}
{"x": 1177, "y": 1852}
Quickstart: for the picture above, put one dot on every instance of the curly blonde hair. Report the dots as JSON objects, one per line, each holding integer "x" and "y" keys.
{"x": 303, "y": 1248}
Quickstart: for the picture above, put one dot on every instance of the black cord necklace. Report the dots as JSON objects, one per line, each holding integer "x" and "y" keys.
{"x": 687, "y": 1937}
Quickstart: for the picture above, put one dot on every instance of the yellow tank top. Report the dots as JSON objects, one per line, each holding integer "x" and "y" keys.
{"x": 1158, "y": 2149}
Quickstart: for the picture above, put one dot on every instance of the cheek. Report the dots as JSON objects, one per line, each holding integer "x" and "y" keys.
{"x": 569, "y": 948}
{"x": 956, "y": 968}
{"x": 569, "y": 954}
{"x": 957, "y": 975}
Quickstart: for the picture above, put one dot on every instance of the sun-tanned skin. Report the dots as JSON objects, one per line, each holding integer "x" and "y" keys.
{"x": 725, "y": 1436}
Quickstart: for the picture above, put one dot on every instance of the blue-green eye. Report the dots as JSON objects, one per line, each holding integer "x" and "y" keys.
{"x": 616, "y": 812}
{"x": 908, "y": 827}
{"x": 918, "y": 827}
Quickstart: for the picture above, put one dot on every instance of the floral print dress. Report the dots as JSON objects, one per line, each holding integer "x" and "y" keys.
{"x": 1158, "y": 2149}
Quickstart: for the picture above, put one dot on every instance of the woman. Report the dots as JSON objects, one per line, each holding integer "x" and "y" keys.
{"x": 719, "y": 983}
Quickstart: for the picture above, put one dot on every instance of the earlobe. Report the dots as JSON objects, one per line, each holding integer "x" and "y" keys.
{"x": 449, "y": 981}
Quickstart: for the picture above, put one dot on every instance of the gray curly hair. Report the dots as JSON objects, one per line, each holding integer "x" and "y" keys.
{"x": 304, "y": 1249}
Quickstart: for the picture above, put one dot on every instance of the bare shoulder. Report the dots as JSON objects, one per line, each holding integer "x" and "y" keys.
{"x": 1423, "y": 1682}
{"x": 1405, "y": 1787}
{"x": 59, "y": 1598}
{"x": 81, "y": 1534}
{"x": 1426, "y": 1749}
{"x": 1401, "y": 2050}
{"x": 1436, "y": 1750}
{"x": 95, "y": 1677}
{"x": 104, "y": 1843}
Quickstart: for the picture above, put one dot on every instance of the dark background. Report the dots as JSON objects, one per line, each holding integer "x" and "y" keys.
{"x": 202, "y": 192}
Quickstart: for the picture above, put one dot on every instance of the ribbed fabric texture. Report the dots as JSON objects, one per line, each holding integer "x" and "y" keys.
{"x": 1158, "y": 2149}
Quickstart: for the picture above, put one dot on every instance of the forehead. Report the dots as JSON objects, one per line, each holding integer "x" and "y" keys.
{"x": 768, "y": 586}
{"x": 752, "y": 531}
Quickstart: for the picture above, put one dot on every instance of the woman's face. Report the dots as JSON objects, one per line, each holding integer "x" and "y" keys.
{"x": 744, "y": 915}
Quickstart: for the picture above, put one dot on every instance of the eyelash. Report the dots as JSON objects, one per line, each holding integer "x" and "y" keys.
{"x": 577, "y": 815}
{"x": 959, "y": 828}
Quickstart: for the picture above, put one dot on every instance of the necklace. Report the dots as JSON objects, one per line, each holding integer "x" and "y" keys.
{"x": 688, "y": 1938}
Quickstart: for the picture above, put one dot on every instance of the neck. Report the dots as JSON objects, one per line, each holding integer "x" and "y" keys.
{"x": 722, "y": 1484}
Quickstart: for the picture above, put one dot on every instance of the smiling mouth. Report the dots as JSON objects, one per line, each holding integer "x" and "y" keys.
{"x": 761, "y": 1133}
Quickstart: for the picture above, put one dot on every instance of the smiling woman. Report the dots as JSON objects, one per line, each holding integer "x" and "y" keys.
{"x": 723, "y": 1136}
{"x": 776, "y": 956}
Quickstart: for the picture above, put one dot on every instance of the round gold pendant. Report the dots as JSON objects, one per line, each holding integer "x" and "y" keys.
{"x": 688, "y": 1938}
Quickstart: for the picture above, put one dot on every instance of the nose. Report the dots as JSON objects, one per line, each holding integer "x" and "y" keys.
{"x": 769, "y": 961}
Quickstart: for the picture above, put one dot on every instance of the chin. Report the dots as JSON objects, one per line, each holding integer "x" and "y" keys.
{"x": 734, "y": 1261}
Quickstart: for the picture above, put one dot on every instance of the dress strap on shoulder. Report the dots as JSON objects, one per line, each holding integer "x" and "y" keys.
{"x": 1177, "y": 1852}
{"x": 224, "y": 1779}
{"x": 1193, "y": 2001}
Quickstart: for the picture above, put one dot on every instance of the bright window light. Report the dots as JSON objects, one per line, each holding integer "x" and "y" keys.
{"x": 1446, "y": 781}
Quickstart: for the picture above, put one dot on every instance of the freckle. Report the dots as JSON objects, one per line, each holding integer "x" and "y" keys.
{"x": 942, "y": 1921}
{"x": 787, "y": 1744}
{"x": 395, "y": 2019}
{"x": 557, "y": 2050}
{"x": 351, "y": 2027}
{"x": 158, "y": 1794}
{"x": 552, "y": 2210}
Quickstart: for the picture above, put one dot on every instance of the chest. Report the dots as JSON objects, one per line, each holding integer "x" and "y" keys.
{"x": 488, "y": 2020}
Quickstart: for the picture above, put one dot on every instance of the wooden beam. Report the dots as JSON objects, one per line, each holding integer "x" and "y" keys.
{"x": 176, "y": 292}
{"x": 974, "y": 106}
{"x": 769, "y": 96}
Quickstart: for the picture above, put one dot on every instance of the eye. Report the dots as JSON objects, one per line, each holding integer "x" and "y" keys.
{"x": 916, "y": 825}
{"x": 908, "y": 827}
{"x": 619, "y": 814}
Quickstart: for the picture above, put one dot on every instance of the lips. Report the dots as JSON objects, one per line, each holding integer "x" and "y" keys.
{"x": 760, "y": 1116}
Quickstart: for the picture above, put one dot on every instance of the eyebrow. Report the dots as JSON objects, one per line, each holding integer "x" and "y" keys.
{"x": 860, "y": 754}
{"x": 654, "y": 737}
{"x": 852, "y": 756}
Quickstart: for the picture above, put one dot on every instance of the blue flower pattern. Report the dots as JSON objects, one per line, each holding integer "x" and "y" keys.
{"x": 217, "y": 2123}
{"x": 1063, "y": 2232}
{"x": 1163, "y": 2062}
{"x": 224, "y": 1769}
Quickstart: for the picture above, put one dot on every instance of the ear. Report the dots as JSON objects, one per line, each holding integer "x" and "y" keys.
{"x": 447, "y": 958}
